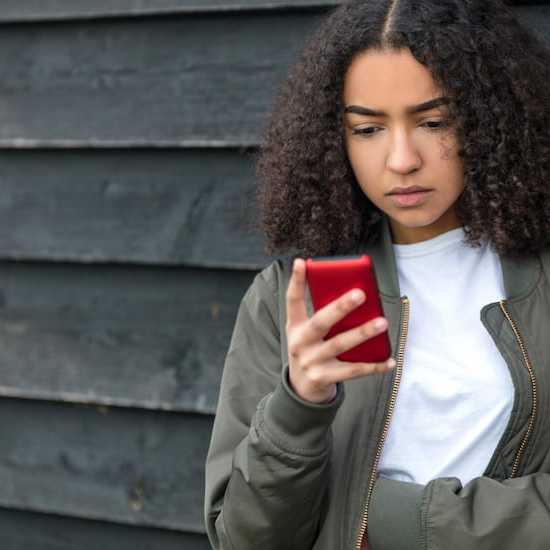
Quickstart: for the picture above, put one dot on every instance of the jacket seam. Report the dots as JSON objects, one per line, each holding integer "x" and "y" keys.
{"x": 276, "y": 441}
{"x": 425, "y": 522}
{"x": 537, "y": 285}
{"x": 515, "y": 424}
{"x": 531, "y": 290}
{"x": 270, "y": 283}
{"x": 224, "y": 525}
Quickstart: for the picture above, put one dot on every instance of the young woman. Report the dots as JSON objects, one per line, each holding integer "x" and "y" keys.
{"x": 418, "y": 132}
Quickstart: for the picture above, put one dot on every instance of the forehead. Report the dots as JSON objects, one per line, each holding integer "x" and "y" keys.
{"x": 388, "y": 78}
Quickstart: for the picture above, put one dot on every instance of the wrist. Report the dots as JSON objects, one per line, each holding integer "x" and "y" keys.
{"x": 298, "y": 423}
{"x": 317, "y": 396}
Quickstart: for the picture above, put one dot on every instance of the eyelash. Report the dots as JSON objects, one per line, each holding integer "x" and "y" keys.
{"x": 441, "y": 125}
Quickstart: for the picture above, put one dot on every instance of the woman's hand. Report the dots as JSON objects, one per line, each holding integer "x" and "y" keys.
{"x": 314, "y": 366}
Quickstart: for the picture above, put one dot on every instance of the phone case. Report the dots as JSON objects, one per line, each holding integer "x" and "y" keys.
{"x": 330, "y": 278}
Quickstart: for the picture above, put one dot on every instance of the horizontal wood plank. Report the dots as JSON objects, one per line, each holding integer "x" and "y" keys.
{"x": 167, "y": 82}
{"x": 128, "y": 336}
{"x": 33, "y": 531}
{"x": 124, "y": 466}
{"x": 38, "y": 10}
{"x": 176, "y": 81}
{"x": 177, "y": 207}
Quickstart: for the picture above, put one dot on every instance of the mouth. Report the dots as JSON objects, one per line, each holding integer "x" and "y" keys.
{"x": 409, "y": 196}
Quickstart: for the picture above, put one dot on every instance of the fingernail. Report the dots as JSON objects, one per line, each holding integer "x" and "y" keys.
{"x": 391, "y": 363}
{"x": 380, "y": 324}
{"x": 357, "y": 296}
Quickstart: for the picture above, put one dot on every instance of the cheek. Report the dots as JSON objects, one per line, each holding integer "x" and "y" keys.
{"x": 365, "y": 171}
{"x": 454, "y": 173}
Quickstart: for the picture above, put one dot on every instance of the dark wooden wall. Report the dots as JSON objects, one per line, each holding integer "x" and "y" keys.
{"x": 128, "y": 131}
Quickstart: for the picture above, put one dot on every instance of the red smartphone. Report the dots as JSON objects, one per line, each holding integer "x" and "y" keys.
{"x": 330, "y": 278}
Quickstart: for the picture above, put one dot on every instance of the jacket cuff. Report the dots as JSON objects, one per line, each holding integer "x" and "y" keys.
{"x": 395, "y": 515}
{"x": 298, "y": 425}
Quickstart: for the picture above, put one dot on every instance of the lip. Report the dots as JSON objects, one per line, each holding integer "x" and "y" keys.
{"x": 407, "y": 190}
{"x": 409, "y": 196}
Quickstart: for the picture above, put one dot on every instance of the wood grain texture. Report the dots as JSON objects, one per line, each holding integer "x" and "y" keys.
{"x": 123, "y": 466}
{"x": 176, "y": 207}
{"x": 195, "y": 81}
{"x": 128, "y": 336}
{"x": 182, "y": 82}
{"x": 38, "y": 10}
{"x": 31, "y": 531}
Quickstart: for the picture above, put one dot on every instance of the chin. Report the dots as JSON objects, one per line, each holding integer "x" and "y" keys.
{"x": 416, "y": 220}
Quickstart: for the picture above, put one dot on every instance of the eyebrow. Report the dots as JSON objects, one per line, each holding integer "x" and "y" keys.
{"x": 414, "y": 109}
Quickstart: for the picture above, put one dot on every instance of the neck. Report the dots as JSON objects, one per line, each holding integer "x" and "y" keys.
{"x": 411, "y": 235}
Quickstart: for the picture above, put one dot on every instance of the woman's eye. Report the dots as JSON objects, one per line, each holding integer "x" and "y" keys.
{"x": 435, "y": 124}
{"x": 432, "y": 125}
{"x": 365, "y": 131}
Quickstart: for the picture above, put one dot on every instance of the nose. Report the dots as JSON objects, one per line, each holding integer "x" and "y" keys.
{"x": 403, "y": 156}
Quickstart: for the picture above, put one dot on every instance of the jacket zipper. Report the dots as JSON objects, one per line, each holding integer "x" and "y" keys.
{"x": 405, "y": 314}
{"x": 534, "y": 390}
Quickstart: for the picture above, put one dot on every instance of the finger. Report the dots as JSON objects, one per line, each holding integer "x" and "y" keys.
{"x": 296, "y": 292}
{"x": 324, "y": 319}
{"x": 349, "y": 371}
{"x": 347, "y": 340}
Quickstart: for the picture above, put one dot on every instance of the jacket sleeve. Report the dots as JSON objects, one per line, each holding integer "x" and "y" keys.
{"x": 443, "y": 515}
{"x": 266, "y": 468}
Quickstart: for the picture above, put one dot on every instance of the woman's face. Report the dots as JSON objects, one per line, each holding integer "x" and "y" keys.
{"x": 400, "y": 145}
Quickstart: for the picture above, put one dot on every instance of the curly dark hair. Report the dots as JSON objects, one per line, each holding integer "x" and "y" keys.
{"x": 497, "y": 75}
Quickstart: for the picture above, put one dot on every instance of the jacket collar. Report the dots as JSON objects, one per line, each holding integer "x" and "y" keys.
{"x": 520, "y": 274}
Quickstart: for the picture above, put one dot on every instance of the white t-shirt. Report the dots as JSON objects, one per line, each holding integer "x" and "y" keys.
{"x": 456, "y": 394}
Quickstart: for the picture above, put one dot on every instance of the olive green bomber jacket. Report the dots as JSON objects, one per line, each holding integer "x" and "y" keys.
{"x": 287, "y": 474}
